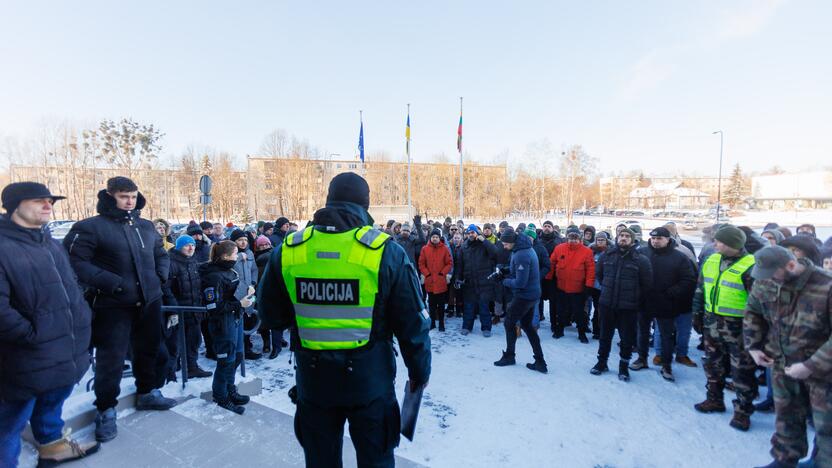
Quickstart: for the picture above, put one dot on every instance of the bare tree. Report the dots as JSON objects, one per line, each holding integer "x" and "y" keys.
{"x": 275, "y": 144}
{"x": 128, "y": 144}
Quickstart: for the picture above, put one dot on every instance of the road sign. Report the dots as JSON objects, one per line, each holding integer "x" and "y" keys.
{"x": 205, "y": 185}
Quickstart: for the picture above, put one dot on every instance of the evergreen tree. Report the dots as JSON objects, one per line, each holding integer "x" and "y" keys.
{"x": 736, "y": 190}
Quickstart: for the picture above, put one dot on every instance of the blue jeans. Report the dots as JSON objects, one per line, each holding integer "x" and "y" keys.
{"x": 42, "y": 411}
{"x": 468, "y": 315}
{"x": 227, "y": 333}
{"x": 684, "y": 324}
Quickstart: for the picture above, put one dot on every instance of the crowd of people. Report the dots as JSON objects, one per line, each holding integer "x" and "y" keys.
{"x": 761, "y": 302}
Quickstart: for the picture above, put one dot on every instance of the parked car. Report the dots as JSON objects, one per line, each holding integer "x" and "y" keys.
{"x": 60, "y": 231}
{"x": 53, "y": 224}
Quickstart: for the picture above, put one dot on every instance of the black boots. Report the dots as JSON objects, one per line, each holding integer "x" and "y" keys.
{"x": 582, "y": 337}
{"x": 538, "y": 365}
{"x": 230, "y": 406}
{"x": 623, "y": 371}
{"x": 599, "y": 368}
{"x": 236, "y": 398}
{"x": 506, "y": 360}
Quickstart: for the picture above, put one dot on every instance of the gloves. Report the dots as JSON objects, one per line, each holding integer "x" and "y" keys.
{"x": 698, "y": 324}
{"x": 417, "y": 220}
{"x": 173, "y": 320}
{"x": 448, "y": 278}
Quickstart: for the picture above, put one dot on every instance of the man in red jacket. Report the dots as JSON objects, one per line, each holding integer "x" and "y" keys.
{"x": 435, "y": 266}
{"x": 574, "y": 268}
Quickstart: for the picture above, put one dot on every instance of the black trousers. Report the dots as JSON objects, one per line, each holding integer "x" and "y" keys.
{"x": 595, "y": 295}
{"x": 522, "y": 311}
{"x": 374, "y": 430}
{"x": 112, "y": 331}
{"x": 206, "y": 335}
{"x": 571, "y": 308}
{"x": 436, "y": 307}
{"x": 667, "y": 328}
{"x": 625, "y": 322}
{"x": 193, "y": 338}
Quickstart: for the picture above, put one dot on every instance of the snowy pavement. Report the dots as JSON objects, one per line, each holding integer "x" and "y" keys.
{"x": 475, "y": 414}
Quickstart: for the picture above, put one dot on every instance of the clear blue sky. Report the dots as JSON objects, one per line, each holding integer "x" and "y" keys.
{"x": 641, "y": 84}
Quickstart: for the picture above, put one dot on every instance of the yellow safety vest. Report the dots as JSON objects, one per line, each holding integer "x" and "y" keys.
{"x": 725, "y": 292}
{"x": 332, "y": 279}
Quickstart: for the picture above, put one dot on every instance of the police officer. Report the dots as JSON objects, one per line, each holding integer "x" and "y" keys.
{"x": 346, "y": 290}
{"x": 787, "y": 329}
{"x": 719, "y": 305}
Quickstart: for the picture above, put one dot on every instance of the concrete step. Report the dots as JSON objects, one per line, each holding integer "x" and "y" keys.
{"x": 198, "y": 433}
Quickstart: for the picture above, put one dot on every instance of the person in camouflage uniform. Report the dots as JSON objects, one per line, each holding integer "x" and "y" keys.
{"x": 788, "y": 328}
{"x": 719, "y": 318}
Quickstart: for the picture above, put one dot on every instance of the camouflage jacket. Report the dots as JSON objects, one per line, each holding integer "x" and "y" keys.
{"x": 792, "y": 322}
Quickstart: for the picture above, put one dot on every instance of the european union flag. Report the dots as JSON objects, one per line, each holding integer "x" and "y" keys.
{"x": 361, "y": 142}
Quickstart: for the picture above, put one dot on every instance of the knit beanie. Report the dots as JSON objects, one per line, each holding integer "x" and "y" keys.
{"x": 531, "y": 232}
{"x": 508, "y": 237}
{"x": 194, "y": 229}
{"x": 236, "y": 234}
{"x": 778, "y": 236}
{"x": 731, "y": 236}
{"x": 473, "y": 227}
{"x": 628, "y": 231}
{"x": 349, "y": 187}
{"x": 435, "y": 232}
{"x": 184, "y": 240}
{"x": 280, "y": 222}
{"x": 261, "y": 241}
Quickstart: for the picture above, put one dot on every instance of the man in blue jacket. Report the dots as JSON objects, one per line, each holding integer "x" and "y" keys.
{"x": 352, "y": 291}
{"x": 44, "y": 329}
{"x": 524, "y": 282}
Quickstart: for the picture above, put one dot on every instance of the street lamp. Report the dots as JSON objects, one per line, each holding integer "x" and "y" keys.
{"x": 719, "y": 179}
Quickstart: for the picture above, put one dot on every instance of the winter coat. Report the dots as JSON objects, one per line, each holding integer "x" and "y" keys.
{"x": 435, "y": 263}
{"x": 524, "y": 279}
{"x": 202, "y": 251}
{"x": 183, "y": 284}
{"x": 478, "y": 262}
{"x": 456, "y": 256}
{"x": 44, "y": 319}
{"x": 277, "y": 237}
{"x": 573, "y": 266}
{"x": 118, "y": 255}
{"x": 261, "y": 258}
{"x": 674, "y": 281}
{"x": 542, "y": 258}
{"x": 625, "y": 277}
{"x": 369, "y": 372}
{"x": 247, "y": 272}
{"x": 596, "y": 254}
{"x": 413, "y": 244}
{"x": 219, "y": 282}
{"x": 550, "y": 241}
{"x": 791, "y": 321}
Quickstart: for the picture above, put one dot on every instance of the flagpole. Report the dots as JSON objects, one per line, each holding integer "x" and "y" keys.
{"x": 461, "y": 178}
{"x": 409, "y": 199}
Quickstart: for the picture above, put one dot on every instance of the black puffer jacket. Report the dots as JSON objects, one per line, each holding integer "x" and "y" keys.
{"x": 550, "y": 241}
{"x": 44, "y": 319}
{"x": 625, "y": 278}
{"x": 478, "y": 261}
{"x": 674, "y": 281}
{"x": 118, "y": 255}
{"x": 183, "y": 284}
{"x": 218, "y": 282}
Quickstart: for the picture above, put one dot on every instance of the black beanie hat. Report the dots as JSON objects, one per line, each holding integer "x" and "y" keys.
{"x": 508, "y": 237}
{"x": 236, "y": 234}
{"x": 280, "y": 222}
{"x": 349, "y": 187}
{"x": 194, "y": 229}
{"x": 435, "y": 232}
{"x": 206, "y": 225}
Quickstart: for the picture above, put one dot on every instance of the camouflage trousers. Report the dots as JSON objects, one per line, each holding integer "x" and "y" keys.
{"x": 725, "y": 355}
{"x": 793, "y": 400}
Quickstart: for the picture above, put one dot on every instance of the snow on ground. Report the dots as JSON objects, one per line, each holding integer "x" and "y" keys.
{"x": 475, "y": 414}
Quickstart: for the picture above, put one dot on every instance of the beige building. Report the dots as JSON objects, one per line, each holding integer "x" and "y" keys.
{"x": 615, "y": 191}
{"x": 794, "y": 190}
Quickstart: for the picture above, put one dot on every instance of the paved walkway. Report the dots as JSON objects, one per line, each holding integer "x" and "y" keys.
{"x": 200, "y": 434}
